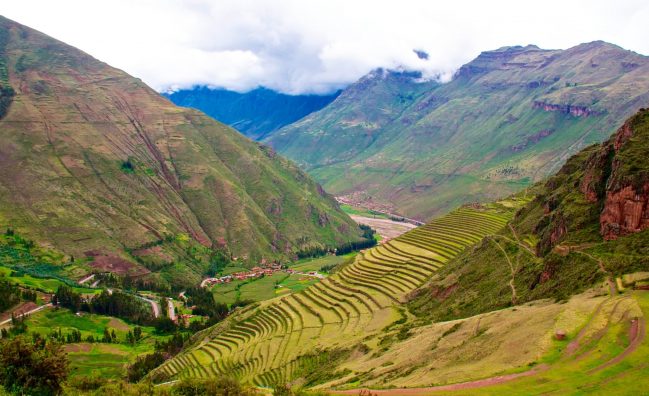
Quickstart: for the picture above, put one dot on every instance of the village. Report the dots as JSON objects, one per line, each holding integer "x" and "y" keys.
{"x": 257, "y": 272}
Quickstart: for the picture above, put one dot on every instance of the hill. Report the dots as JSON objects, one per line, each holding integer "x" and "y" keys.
{"x": 101, "y": 167}
{"x": 544, "y": 291}
{"x": 257, "y": 113}
{"x": 507, "y": 119}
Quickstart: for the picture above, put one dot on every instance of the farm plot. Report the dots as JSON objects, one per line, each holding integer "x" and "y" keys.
{"x": 264, "y": 345}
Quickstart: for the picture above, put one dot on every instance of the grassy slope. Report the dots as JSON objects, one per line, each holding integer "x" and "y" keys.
{"x": 492, "y": 309}
{"x": 104, "y": 360}
{"x": 95, "y": 159}
{"x": 525, "y": 252}
{"x": 475, "y": 138}
{"x": 279, "y": 339}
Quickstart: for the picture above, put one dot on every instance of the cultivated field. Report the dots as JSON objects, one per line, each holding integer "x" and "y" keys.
{"x": 265, "y": 345}
{"x": 386, "y": 228}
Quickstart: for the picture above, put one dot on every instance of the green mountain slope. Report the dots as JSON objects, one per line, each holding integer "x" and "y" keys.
{"x": 97, "y": 164}
{"x": 257, "y": 113}
{"x": 527, "y": 288}
{"x": 586, "y": 224}
{"x": 507, "y": 119}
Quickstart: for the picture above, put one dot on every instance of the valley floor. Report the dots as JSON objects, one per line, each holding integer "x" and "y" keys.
{"x": 386, "y": 228}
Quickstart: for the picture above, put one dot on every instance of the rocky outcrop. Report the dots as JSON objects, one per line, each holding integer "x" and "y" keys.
{"x": 625, "y": 211}
{"x": 531, "y": 140}
{"x": 626, "y": 201}
{"x": 598, "y": 169}
{"x": 574, "y": 110}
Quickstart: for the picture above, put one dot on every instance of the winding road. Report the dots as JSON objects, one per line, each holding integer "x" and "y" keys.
{"x": 33, "y": 311}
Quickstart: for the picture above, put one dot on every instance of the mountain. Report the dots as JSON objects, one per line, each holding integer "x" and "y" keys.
{"x": 507, "y": 119}
{"x": 97, "y": 164}
{"x": 256, "y": 113}
{"x": 542, "y": 292}
{"x": 586, "y": 224}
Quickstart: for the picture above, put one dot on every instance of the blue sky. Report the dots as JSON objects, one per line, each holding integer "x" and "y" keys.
{"x": 317, "y": 46}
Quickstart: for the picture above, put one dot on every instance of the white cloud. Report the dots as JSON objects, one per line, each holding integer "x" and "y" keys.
{"x": 298, "y": 46}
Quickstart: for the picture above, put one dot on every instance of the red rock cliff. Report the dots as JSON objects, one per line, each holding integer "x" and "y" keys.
{"x": 626, "y": 207}
{"x": 625, "y": 211}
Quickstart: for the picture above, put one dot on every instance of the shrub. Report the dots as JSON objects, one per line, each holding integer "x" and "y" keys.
{"x": 212, "y": 386}
{"x": 32, "y": 368}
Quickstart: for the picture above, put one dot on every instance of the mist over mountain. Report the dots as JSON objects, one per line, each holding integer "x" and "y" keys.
{"x": 508, "y": 118}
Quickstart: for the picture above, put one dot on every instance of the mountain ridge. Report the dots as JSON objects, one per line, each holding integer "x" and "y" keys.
{"x": 98, "y": 164}
{"x": 256, "y": 113}
{"x": 508, "y": 118}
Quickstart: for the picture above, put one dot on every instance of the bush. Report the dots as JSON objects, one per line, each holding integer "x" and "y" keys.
{"x": 143, "y": 365}
{"x": 32, "y": 368}
{"x": 216, "y": 387}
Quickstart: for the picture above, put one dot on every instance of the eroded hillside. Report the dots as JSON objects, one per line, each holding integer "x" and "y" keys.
{"x": 100, "y": 166}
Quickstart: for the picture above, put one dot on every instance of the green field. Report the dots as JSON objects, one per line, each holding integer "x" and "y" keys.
{"x": 260, "y": 289}
{"x": 46, "y": 285}
{"x": 359, "y": 211}
{"x": 107, "y": 360}
{"x": 315, "y": 264}
{"x": 295, "y": 283}
{"x": 276, "y": 342}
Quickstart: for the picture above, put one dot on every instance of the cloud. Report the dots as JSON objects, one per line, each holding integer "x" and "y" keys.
{"x": 317, "y": 46}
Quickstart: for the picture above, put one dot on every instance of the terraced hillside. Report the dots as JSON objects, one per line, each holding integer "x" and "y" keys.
{"x": 266, "y": 345}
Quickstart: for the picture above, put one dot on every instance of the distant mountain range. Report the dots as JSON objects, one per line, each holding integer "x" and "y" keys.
{"x": 256, "y": 113}
{"x": 508, "y": 118}
{"x": 100, "y": 166}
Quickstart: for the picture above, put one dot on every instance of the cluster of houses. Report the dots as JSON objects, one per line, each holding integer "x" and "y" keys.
{"x": 255, "y": 272}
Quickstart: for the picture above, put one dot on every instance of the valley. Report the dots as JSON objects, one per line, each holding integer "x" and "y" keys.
{"x": 477, "y": 230}
{"x": 507, "y": 119}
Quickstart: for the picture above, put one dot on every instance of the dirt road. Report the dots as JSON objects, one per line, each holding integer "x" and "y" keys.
{"x": 26, "y": 313}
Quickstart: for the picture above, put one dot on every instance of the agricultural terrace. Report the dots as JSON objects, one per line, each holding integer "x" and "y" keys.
{"x": 264, "y": 344}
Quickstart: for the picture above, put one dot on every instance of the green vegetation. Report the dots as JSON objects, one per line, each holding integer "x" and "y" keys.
{"x": 115, "y": 303}
{"x": 355, "y": 210}
{"x": 260, "y": 289}
{"x": 553, "y": 248}
{"x": 268, "y": 345}
{"x": 427, "y": 148}
{"x": 317, "y": 264}
{"x": 27, "y": 367}
{"x": 154, "y": 209}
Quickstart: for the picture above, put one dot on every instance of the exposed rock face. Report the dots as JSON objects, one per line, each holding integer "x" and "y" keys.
{"x": 625, "y": 211}
{"x": 626, "y": 201}
{"x": 530, "y": 140}
{"x": 577, "y": 111}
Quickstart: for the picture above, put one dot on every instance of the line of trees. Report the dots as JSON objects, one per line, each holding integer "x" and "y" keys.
{"x": 9, "y": 295}
{"x": 368, "y": 240}
{"x": 118, "y": 304}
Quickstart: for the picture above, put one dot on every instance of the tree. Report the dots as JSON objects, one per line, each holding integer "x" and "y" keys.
{"x": 164, "y": 325}
{"x": 144, "y": 364}
{"x": 137, "y": 333}
{"x": 107, "y": 337}
{"x": 212, "y": 386}
{"x": 32, "y": 368}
